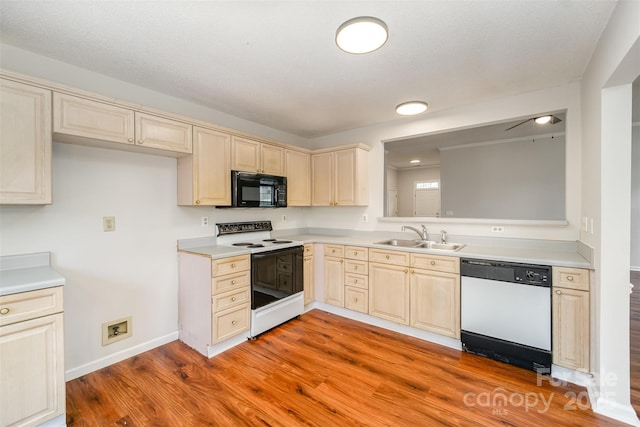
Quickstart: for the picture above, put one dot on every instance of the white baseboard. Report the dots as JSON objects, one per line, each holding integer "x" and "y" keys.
{"x": 608, "y": 408}
{"x": 635, "y": 268}
{"x": 87, "y": 368}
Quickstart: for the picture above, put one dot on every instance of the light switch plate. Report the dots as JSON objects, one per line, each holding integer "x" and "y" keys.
{"x": 109, "y": 223}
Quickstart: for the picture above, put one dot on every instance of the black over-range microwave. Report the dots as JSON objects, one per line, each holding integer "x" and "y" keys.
{"x": 254, "y": 190}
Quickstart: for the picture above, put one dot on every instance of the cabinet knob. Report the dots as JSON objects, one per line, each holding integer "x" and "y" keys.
{"x": 233, "y": 265}
{"x": 559, "y": 292}
{"x": 355, "y": 280}
{"x": 433, "y": 263}
{"x": 341, "y": 261}
{"x": 130, "y": 139}
{"x": 406, "y": 271}
{"x": 387, "y": 256}
{"x": 5, "y": 310}
{"x": 413, "y": 272}
{"x": 233, "y": 299}
{"x": 355, "y": 267}
{"x": 355, "y": 300}
{"x": 197, "y": 202}
{"x": 570, "y": 278}
{"x": 234, "y": 322}
{"x": 140, "y": 141}
{"x": 233, "y": 282}
{"x": 355, "y": 253}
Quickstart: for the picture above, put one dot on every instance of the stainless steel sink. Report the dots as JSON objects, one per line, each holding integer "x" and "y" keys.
{"x": 400, "y": 242}
{"x": 452, "y": 247}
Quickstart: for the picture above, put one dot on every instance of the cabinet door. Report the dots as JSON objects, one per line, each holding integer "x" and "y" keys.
{"x": 272, "y": 160}
{"x": 298, "y": 172}
{"x": 322, "y": 179}
{"x": 32, "y": 374}
{"x": 345, "y": 178}
{"x": 162, "y": 133}
{"x": 356, "y": 299}
{"x": 435, "y": 302}
{"x": 307, "y": 274}
{"x": 25, "y": 144}
{"x": 75, "y": 117}
{"x": 334, "y": 281}
{"x": 389, "y": 292}
{"x": 245, "y": 155}
{"x": 571, "y": 328}
{"x": 211, "y": 168}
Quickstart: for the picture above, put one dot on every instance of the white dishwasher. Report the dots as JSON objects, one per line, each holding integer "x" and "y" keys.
{"x": 506, "y": 312}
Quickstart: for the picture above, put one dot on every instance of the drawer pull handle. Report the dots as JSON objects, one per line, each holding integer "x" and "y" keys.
{"x": 5, "y": 310}
{"x": 570, "y": 278}
{"x": 355, "y": 253}
{"x": 559, "y": 292}
{"x": 433, "y": 263}
{"x": 234, "y": 322}
{"x": 233, "y": 299}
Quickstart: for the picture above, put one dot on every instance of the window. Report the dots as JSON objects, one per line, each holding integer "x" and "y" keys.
{"x": 427, "y": 185}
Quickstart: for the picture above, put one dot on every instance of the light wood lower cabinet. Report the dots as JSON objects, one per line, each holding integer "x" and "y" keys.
{"x": 25, "y": 144}
{"x": 31, "y": 357}
{"x": 307, "y": 272}
{"x": 389, "y": 292}
{"x": 214, "y": 299}
{"x": 204, "y": 178}
{"x": 334, "y": 275}
{"x": 571, "y": 332}
{"x": 435, "y": 302}
{"x": 356, "y": 278}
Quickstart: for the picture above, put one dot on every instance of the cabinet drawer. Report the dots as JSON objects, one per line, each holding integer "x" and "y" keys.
{"x": 447, "y": 264}
{"x": 356, "y": 252}
{"x": 308, "y": 249}
{"x": 229, "y": 265}
{"x": 231, "y": 322}
{"x": 389, "y": 257}
{"x": 230, "y": 282}
{"x": 571, "y": 278}
{"x": 356, "y": 280}
{"x": 334, "y": 250}
{"x": 29, "y": 305}
{"x": 358, "y": 267}
{"x": 231, "y": 299}
{"x": 356, "y": 299}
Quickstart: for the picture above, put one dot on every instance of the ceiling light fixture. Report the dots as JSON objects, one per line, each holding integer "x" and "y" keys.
{"x": 414, "y": 161}
{"x": 362, "y": 35}
{"x": 543, "y": 120}
{"x": 412, "y": 107}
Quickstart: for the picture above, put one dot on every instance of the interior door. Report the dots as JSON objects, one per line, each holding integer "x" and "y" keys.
{"x": 426, "y": 202}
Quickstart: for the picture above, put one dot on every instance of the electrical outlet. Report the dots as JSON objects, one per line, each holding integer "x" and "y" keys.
{"x": 109, "y": 223}
{"x": 116, "y": 330}
{"x": 365, "y": 218}
{"x": 497, "y": 229}
{"x": 204, "y": 221}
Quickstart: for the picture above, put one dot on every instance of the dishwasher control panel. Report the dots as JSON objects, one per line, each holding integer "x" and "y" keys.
{"x": 526, "y": 274}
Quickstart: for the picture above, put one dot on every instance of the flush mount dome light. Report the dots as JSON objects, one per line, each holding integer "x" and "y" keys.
{"x": 543, "y": 120}
{"x": 362, "y": 35}
{"x": 414, "y": 161}
{"x": 412, "y": 107}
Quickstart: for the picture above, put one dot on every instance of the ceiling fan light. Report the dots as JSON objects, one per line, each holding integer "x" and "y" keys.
{"x": 542, "y": 120}
{"x": 362, "y": 35}
{"x": 412, "y": 107}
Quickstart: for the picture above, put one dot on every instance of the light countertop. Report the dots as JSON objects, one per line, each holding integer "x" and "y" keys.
{"x": 30, "y": 272}
{"x": 540, "y": 252}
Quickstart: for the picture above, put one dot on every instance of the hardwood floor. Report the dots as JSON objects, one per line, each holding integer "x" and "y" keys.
{"x": 323, "y": 370}
{"x": 634, "y": 328}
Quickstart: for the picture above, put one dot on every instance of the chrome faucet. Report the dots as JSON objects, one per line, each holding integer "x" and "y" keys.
{"x": 443, "y": 237}
{"x": 424, "y": 235}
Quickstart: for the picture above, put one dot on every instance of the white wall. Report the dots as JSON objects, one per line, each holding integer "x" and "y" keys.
{"x": 606, "y": 165}
{"x": 493, "y": 111}
{"x": 635, "y": 196}
{"x": 406, "y": 181}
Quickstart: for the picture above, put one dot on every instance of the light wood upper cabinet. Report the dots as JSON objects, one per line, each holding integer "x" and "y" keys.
{"x": 435, "y": 302}
{"x": 204, "y": 178}
{"x": 25, "y": 144}
{"x": 254, "y": 156}
{"x": 86, "y": 119}
{"x": 78, "y": 120}
{"x": 298, "y": 173}
{"x": 340, "y": 178}
{"x": 571, "y": 317}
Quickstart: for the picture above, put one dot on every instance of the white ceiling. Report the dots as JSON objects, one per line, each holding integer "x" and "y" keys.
{"x": 276, "y": 63}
